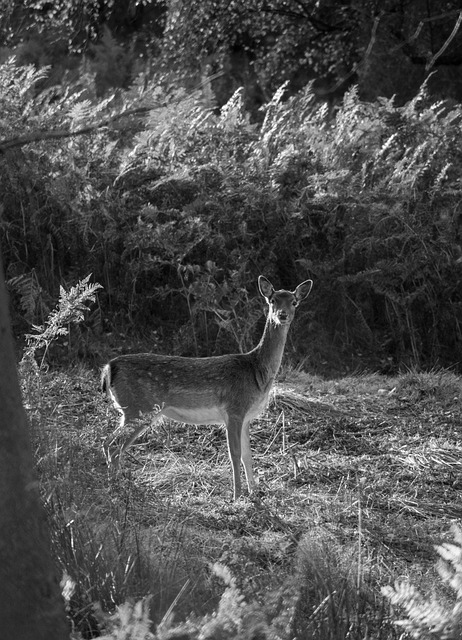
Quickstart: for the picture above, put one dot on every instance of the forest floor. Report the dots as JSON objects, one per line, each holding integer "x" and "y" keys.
{"x": 359, "y": 479}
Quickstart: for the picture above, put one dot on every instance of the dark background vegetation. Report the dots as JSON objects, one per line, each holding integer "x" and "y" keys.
{"x": 339, "y": 160}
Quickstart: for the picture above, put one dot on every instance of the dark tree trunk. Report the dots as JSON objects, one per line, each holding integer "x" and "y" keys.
{"x": 31, "y": 605}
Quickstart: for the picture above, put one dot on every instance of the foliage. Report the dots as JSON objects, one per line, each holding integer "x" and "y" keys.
{"x": 129, "y": 621}
{"x": 427, "y": 618}
{"x": 387, "y": 47}
{"x": 71, "y": 309}
{"x": 271, "y": 35}
{"x": 177, "y": 210}
{"x": 261, "y": 44}
{"x": 79, "y": 24}
{"x": 233, "y": 618}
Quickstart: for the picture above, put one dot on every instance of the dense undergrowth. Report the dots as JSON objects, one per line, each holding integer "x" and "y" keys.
{"x": 176, "y": 209}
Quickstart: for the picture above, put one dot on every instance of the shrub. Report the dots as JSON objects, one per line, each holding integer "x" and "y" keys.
{"x": 177, "y": 210}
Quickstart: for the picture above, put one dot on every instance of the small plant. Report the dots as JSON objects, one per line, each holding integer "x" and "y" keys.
{"x": 71, "y": 308}
{"x": 436, "y": 385}
{"x": 427, "y": 618}
{"x": 129, "y": 621}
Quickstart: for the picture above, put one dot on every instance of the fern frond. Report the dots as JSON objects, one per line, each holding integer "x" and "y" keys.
{"x": 426, "y": 617}
{"x": 232, "y": 113}
{"x": 29, "y": 290}
{"x": 272, "y": 110}
{"x": 81, "y": 111}
{"x": 71, "y": 308}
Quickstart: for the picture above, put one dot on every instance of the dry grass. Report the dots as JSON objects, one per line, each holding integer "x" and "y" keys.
{"x": 361, "y": 475}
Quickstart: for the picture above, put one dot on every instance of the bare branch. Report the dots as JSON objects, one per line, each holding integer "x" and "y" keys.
{"x": 408, "y": 42}
{"x": 451, "y": 37}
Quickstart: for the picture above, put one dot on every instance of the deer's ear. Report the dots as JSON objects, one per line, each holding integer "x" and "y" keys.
{"x": 303, "y": 290}
{"x": 266, "y": 288}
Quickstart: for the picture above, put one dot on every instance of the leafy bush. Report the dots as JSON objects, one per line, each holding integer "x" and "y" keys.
{"x": 177, "y": 210}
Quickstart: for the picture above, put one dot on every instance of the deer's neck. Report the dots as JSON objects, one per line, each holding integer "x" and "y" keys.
{"x": 269, "y": 351}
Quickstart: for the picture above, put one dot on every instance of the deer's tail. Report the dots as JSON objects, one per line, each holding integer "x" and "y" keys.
{"x": 106, "y": 379}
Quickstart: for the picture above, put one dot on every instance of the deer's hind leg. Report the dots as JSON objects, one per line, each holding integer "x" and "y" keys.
{"x": 115, "y": 444}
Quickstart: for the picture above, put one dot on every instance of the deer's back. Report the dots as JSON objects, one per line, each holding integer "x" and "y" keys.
{"x": 226, "y": 383}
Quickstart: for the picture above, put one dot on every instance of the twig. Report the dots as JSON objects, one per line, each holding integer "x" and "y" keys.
{"x": 168, "y": 614}
{"x": 277, "y": 433}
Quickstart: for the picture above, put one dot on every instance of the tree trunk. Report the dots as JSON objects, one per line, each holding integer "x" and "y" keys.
{"x": 31, "y": 605}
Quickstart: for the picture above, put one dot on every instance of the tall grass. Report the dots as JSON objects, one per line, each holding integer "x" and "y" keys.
{"x": 338, "y": 595}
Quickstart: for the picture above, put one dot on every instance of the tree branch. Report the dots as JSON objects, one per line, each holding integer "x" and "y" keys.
{"x": 406, "y": 46}
{"x": 451, "y": 37}
{"x": 38, "y": 136}
{"x": 316, "y": 23}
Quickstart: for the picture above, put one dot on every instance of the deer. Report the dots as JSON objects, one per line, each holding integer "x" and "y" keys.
{"x": 228, "y": 389}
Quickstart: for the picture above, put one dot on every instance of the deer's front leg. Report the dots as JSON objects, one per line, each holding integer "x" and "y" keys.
{"x": 246, "y": 455}
{"x": 233, "y": 434}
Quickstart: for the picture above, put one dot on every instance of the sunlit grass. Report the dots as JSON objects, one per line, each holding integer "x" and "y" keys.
{"x": 358, "y": 479}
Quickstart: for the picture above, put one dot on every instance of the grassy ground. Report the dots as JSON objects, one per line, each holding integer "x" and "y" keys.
{"x": 359, "y": 478}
